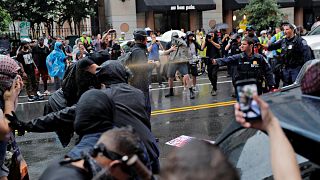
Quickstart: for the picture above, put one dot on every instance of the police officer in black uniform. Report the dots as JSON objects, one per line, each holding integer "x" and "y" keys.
{"x": 295, "y": 52}
{"x": 249, "y": 65}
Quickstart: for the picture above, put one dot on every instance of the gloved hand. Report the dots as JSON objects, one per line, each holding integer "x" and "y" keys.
{"x": 16, "y": 124}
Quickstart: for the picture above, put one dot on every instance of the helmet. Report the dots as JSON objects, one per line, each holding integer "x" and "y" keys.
{"x": 139, "y": 35}
{"x": 240, "y": 31}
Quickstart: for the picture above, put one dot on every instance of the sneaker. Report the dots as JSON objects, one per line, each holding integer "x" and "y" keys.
{"x": 162, "y": 86}
{"x": 150, "y": 86}
{"x": 213, "y": 93}
{"x": 39, "y": 93}
{"x": 169, "y": 95}
{"x": 185, "y": 89}
{"x": 31, "y": 98}
{"x": 195, "y": 88}
{"x": 46, "y": 93}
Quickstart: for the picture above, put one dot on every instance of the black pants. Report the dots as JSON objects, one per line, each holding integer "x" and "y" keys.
{"x": 213, "y": 75}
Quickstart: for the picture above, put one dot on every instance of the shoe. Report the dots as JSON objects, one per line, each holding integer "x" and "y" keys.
{"x": 195, "y": 88}
{"x": 213, "y": 93}
{"x": 192, "y": 96}
{"x": 150, "y": 86}
{"x": 47, "y": 93}
{"x": 31, "y": 98}
{"x": 39, "y": 93}
{"x": 185, "y": 89}
{"x": 162, "y": 86}
{"x": 168, "y": 95}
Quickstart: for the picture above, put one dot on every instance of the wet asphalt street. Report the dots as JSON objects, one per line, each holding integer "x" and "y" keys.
{"x": 205, "y": 117}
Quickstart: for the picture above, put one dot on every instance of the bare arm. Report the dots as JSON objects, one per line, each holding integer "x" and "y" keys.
{"x": 283, "y": 158}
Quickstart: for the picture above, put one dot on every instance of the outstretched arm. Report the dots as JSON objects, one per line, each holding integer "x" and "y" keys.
{"x": 283, "y": 158}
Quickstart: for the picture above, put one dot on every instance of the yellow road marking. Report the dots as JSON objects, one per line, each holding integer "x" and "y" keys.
{"x": 192, "y": 108}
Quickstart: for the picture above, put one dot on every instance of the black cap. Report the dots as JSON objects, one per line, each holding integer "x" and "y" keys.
{"x": 140, "y": 34}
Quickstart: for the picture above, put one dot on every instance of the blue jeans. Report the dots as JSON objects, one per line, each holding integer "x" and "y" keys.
{"x": 85, "y": 145}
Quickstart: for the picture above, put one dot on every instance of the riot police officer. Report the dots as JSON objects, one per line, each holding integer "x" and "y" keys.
{"x": 250, "y": 65}
{"x": 294, "y": 53}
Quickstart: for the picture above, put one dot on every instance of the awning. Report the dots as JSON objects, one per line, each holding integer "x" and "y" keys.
{"x": 168, "y": 5}
{"x": 238, "y": 4}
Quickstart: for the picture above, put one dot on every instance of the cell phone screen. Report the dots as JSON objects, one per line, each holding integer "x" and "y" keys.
{"x": 248, "y": 106}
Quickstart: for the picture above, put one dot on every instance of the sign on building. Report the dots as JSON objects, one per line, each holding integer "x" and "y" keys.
{"x": 24, "y": 29}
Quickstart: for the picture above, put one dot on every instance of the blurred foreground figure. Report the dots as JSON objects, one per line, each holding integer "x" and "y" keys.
{"x": 198, "y": 160}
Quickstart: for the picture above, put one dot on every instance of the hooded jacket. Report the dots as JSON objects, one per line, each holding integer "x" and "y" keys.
{"x": 129, "y": 108}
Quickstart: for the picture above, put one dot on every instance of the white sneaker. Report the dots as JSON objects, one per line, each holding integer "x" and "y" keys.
{"x": 39, "y": 93}
{"x": 195, "y": 88}
{"x": 150, "y": 86}
{"x": 46, "y": 93}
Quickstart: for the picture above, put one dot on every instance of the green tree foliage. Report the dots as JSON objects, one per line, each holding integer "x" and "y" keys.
{"x": 262, "y": 14}
{"x": 5, "y": 20}
{"x": 49, "y": 11}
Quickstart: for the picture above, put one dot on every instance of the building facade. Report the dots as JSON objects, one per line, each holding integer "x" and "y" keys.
{"x": 164, "y": 15}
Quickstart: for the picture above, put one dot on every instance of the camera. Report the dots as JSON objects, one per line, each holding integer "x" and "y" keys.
{"x": 208, "y": 36}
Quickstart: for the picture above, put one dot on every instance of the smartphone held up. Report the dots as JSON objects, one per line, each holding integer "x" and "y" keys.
{"x": 246, "y": 89}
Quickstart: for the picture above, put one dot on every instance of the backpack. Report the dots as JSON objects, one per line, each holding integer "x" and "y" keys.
{"x": 126, "y": 57}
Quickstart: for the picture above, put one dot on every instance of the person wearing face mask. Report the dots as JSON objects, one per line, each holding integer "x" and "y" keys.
{"x": 25, "y": 58}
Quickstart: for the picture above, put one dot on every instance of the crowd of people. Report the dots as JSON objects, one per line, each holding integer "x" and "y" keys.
{"x": 95, "y": 80}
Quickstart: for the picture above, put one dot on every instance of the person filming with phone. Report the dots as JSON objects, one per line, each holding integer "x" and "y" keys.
{"x": 250, "y": 65}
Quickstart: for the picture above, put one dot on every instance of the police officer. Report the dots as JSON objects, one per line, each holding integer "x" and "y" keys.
{"x": 294, "y": 53}
{"x": 249, "y": 65}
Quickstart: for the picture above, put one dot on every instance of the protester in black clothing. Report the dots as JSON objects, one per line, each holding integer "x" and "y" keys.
{"x": 40, "y": 53}
{"x": 25, "y": 58}
{"x": 59, "y": 112}
{"x": 105, "y": 161}
{"x": 213, "y": 52}
{"x": 116, "y": 104}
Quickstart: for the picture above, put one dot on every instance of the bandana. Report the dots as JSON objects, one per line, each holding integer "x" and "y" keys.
{"x": 8, "y": 71}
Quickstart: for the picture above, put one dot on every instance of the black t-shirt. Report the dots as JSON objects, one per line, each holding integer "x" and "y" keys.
{"x": 40, "y": 55}
{"x": 56, "y": 171}
{"x": 25, "y": 58}
{"x": 212, "y": 51}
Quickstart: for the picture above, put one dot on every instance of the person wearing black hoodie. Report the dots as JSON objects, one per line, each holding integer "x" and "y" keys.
{"x": 59, "y": 112}
{"x": 117, "y": 104}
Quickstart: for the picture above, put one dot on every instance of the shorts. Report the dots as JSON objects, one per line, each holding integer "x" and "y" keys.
{"x": 193, "y": 69}
{"x": 181, "y": 67}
